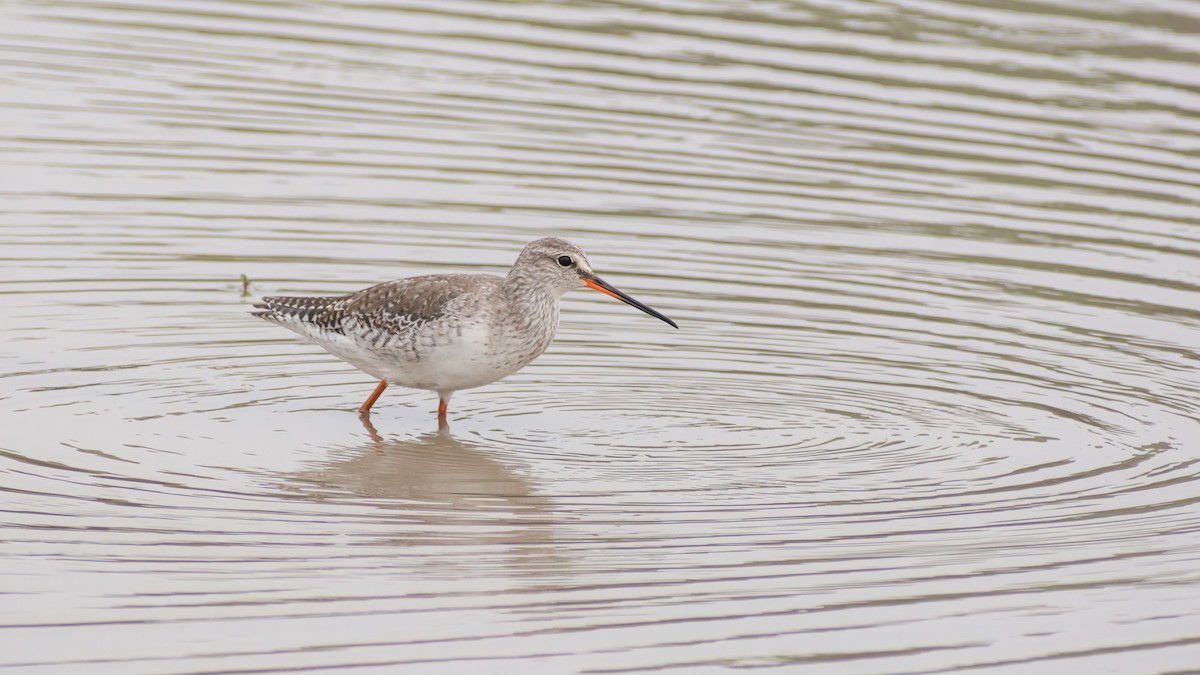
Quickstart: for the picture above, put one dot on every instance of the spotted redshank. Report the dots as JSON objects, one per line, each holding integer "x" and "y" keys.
{"x": 447, "y": 332}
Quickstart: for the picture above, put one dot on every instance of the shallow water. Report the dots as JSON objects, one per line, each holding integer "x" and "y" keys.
{"x": 933, "y": 406}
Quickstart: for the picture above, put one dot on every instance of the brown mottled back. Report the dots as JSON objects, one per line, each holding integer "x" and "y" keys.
{"x": 390, "y": 306}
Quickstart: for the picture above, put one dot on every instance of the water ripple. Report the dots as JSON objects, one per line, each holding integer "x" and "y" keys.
{"x": 932, "y": 407}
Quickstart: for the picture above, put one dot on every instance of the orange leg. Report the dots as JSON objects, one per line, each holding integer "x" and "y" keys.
{"x": 443, "y": 406}
{"x": 365, "y": 409}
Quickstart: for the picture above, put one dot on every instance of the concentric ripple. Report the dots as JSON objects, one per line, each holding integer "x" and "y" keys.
{"x": 933, "y": 404}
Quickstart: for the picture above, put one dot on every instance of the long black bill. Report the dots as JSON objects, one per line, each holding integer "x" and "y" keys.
{"x": 606, "y": 288}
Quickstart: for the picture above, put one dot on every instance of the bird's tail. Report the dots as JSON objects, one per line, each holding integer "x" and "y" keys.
{"x": 301, "y": 313}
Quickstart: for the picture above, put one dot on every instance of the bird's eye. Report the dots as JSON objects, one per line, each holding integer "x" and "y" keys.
{"x": 565, "y": 260}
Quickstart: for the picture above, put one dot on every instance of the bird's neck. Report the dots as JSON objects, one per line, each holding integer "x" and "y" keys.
{"x": 522, "y": 289}
{"x": 534, "y": 311}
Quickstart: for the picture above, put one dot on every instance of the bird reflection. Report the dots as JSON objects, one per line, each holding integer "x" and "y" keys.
{"x": 443, "y": 491}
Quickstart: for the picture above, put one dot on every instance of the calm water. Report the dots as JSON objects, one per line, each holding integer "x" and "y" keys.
{"x": 933, "y": 406}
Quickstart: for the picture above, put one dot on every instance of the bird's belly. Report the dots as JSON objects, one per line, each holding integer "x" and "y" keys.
{"x": 445, "y": 368}
{"x": 438, "y": 362}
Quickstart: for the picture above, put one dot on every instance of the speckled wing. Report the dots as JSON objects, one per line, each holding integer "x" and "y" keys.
{"x": 391, "y": 307}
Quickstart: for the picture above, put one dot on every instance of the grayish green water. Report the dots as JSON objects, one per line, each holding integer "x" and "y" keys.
{"x": 933, "y": 408}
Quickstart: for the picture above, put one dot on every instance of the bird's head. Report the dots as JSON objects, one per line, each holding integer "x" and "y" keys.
{"x": 560, "y": 266}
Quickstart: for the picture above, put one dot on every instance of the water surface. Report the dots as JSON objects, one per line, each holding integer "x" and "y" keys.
{"x": 933, "y": 406}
